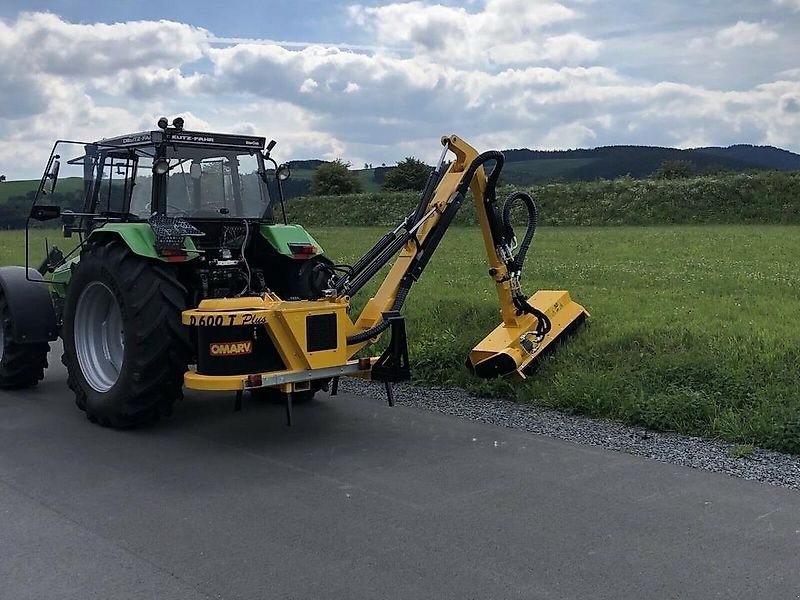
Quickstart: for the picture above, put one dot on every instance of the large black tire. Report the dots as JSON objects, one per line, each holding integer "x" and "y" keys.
{"x": 21, "y": 365}
{"x": 156, "y": 346}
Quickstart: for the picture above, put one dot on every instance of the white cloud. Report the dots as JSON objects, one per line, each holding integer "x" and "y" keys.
{"x": 48, "y": 44}
{"x": 570, "y": 135}
{"x": 571, "y": 48}
{"x": 792, "y": 4}
{"x": 745, "y": 34}
{"x": 308, "y": 86}
{"x": 537, "y": 80}
{"x": 502, "y": 31}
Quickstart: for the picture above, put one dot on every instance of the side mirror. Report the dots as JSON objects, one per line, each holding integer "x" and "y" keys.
{"x": 282, "y": 173}
{"x": 195, "y": 171}
{"x": 53, "y": 175}
{"x": 45, "y": 212}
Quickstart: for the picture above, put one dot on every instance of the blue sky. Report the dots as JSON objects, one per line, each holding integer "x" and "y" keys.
{"x": 377, "y": 81}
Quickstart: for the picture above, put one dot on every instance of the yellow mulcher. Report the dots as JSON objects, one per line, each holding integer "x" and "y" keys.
{"x": 316, "y": 340}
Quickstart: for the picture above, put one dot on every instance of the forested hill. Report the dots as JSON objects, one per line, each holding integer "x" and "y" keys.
{"x": 607, "y": 162}
{"x": 765, "y": 156}
{"x": 523, "y": 168}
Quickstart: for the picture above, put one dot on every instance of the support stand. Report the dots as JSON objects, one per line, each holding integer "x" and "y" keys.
{"x": 389, "y": 393}
{"x": 335, "y": 386}
{"x": 289, "y": 409}
{"x": 238, "y": 404}
{"x": 393, "y": 365}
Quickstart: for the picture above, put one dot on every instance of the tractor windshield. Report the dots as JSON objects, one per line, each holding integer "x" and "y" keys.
{"x": 206, "y": 184}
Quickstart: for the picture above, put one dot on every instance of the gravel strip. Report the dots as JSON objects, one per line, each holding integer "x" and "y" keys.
{"x": 761, "y": 465}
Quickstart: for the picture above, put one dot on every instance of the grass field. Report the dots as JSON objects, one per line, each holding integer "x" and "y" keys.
{"x": 22, "y": 187}
{"x": 693, "y": 329}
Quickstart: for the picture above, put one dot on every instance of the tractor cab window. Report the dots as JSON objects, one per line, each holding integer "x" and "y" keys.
{"x": 115, "y": 182}
{"x": 142, "y": 188}
{"x": 213, "y": 184}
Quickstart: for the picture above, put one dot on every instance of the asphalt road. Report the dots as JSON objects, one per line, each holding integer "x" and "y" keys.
{"x": 358, "y": 500}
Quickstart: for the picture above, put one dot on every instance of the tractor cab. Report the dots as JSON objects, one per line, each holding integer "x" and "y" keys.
{"x": 206, "y": 200}
{"x": 168, "y": 172}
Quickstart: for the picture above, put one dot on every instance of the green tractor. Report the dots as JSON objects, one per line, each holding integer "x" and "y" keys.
{"x": 164, "y": 219}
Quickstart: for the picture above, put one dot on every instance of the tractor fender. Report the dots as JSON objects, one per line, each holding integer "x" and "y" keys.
{"x": 282, "y": 237}
{"x": 33, "y": 318}
{"x": 139, "y": 237}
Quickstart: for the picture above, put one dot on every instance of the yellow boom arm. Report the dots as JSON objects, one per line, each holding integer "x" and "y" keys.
{"x": 516, "y": 342}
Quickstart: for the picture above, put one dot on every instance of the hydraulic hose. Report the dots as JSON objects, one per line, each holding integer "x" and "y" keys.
{"x": 368, "y": 334}
{"x": 521, "y": 303}
{"x": 530, "y": 230}
{"x": 479, "y": 161}
{"x": 490, "y": 195}
{"x": 543, "y": 324}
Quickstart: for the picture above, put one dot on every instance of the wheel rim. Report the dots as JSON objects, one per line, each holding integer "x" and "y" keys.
{"x": 2, "y": 337}
{"x": 99, "y": 336}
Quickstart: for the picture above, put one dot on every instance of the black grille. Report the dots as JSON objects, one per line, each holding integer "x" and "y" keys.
{"x": 321, "y": 332}
{"x": 171, "y": 231}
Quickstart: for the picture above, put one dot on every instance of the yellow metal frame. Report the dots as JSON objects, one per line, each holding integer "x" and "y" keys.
{"x": 511, "y": 343}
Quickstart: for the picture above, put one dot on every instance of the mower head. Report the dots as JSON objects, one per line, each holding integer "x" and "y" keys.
{"x": 511, "y": 349}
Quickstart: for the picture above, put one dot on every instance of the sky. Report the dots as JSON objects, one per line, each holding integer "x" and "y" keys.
{"x": 374, "y": 82}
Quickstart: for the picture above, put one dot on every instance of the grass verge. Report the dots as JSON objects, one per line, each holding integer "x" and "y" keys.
{"x": 692, "y": 329}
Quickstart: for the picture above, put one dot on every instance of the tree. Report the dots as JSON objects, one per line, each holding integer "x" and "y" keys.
{"x": 409, "y": 174}
{"x": 335, "y": 179}
{"x": 2, "y": 178}
{"x": 674, "y": 169}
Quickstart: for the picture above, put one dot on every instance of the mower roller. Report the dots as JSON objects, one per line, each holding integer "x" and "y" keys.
{"x": 182, "y": 277}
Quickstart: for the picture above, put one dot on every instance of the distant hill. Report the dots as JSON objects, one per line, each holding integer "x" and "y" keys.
{"x": 765, "y": 156}
{"x": 526, "y": 167}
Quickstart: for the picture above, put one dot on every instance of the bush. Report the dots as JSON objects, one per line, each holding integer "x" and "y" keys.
{"x": 409, "y": 174}
{"x": 335, "y": 179}
{"x": 674, "y": 169}
{"x": 752, "y": 198}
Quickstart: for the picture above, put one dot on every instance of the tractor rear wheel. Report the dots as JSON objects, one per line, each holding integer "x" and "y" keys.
{"x": 125, "y": 348}
{"x": 21, "y": 365}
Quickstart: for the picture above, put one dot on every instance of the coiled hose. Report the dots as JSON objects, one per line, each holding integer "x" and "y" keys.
{"x": 543, "y": 325}
{"x": 530, "y": 229}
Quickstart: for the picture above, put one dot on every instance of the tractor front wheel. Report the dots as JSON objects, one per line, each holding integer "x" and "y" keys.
{"x": 21, "y": 365}
{"x": 125, "y": 348}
